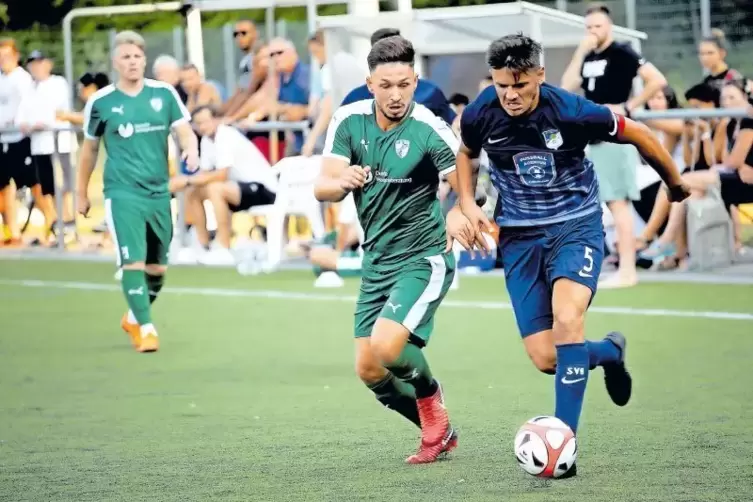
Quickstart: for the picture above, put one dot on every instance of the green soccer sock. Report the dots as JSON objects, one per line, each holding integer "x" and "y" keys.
{"x": 137, "y": 295}
{"x": 412, "y": 367}
{"x": 398, "y": 396}
{"x": 154, "y": 283}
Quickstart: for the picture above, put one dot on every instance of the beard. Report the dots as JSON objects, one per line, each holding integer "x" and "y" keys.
{"x": 392, "y": 115}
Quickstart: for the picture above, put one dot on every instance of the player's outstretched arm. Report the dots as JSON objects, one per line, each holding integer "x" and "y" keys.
{"x": 338, "y": 179}
{"x": 464, "y": 183}
{"x": 649, "y": 146}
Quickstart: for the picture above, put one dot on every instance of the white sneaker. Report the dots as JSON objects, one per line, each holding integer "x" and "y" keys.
{"x": 217, "y": 256}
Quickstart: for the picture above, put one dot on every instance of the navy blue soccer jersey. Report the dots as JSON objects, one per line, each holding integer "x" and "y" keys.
{"x": 537, "y": 162}
{"x": 427, "y": 94}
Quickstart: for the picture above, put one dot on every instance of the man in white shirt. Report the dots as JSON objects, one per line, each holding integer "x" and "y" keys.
{"x": 234, "y": 177}
{"x": 15, "y": 148}
{"x": 37, "y": 117}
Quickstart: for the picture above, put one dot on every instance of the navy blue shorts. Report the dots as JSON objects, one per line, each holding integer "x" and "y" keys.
{"x": 535, "y": 257}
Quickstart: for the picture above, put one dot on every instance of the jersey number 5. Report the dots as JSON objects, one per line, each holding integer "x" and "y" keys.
{"x": 589, "y": 265}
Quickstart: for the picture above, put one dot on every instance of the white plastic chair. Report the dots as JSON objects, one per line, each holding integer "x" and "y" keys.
{"x": 295, "y": 196}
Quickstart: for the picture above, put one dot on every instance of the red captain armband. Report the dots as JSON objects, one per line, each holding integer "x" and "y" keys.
{"x": 619, "y": 125}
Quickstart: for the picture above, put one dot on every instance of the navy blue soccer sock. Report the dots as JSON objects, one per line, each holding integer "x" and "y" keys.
{"x": 601, "y": 352}
{"x": 570, "y": 382}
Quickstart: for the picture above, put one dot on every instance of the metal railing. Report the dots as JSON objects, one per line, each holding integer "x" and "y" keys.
{"x": 303, "y": 126}
{"x": 271, "y": 127}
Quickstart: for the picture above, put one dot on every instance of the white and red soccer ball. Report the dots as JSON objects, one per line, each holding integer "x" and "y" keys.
{"x": 545, "y": 447}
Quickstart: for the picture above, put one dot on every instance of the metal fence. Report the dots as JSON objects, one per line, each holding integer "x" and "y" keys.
{"x": 641, "y": 115}
{"x": 271, "y": 127}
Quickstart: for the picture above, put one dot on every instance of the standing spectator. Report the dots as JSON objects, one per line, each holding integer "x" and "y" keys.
{"x": 37, "y": 116}
{"x": 167, "y": 69}
{"x": 250, "y": 78}
{"x": 234, "y": 177}
{"x": 199, "y": 93}
{"x": 605, "y": 70}
{"x": 712, "y": 53}
{"x": 15, "y": 147}
{"x": 294, "y": 81}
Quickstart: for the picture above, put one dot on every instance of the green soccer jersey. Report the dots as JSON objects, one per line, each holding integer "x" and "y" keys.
{"x": 398, "y": 206}
{"x": 135, "y": 131}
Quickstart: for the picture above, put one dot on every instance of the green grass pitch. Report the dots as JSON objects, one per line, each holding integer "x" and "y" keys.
{"x": 253, "y": 397}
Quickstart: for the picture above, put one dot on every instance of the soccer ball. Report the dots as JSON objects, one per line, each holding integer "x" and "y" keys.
{"x": 545, "y": 447}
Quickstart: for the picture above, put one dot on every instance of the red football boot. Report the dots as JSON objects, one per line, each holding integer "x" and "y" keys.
{"x": 437, "y": 435}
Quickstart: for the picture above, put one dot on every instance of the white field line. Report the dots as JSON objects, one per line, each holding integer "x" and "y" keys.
{"x": 313, "y": 297}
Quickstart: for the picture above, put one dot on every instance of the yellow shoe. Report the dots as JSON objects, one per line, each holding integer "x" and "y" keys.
{"x": 149, "y": 343}
{"x": 132, "y": 330}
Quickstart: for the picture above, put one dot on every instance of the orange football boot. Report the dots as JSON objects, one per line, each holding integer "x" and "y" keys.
{"x": 132, "y": 330}
{"x": 149, "y": 343}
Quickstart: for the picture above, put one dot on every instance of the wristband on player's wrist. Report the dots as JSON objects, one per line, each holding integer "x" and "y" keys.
{"x": 676, "y": 192}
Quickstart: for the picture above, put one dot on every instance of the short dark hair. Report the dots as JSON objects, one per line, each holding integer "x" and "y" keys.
{"x": 704, "y": 93}
{"x": 383, "y": 33}
{"x": 599, "y": 7}
{"x": 518, "y": 53}
{"x": 459, "y": 99}
{"x": 190, "y": 66}
{"x": 391, "y": 50}
{"x": 100, "y": 80}
{"x": 202, "y": 108}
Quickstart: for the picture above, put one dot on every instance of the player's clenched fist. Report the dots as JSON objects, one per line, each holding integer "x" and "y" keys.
{"x": 678, "y": 193}
{"x": 354, "y": 177}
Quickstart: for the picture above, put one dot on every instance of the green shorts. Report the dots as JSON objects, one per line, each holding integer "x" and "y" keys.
{"x": 140, "y": 230}
{"x": 409, "y": 296}
{"x": 616, "y": 169}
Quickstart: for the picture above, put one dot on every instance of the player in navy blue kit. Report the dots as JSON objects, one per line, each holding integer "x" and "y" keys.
{"x": 427, "y": 92}
{"x": 551, "y": 234}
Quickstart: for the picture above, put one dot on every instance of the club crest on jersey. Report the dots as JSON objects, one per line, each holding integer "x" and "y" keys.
{"x": 552, "y": 138}
{"x": 156, "y": 104}
{"x": 401, "y": 147}
{"x": 126, "y": 130}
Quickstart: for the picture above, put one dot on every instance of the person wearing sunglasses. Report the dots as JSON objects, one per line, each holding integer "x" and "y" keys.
{"x": 249, "y": 79}
{"x": 294, "y": 88}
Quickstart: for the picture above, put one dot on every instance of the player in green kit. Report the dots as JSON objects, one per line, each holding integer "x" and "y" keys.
{"x": 390, "y": 152}
{"x": 133, "y": 118}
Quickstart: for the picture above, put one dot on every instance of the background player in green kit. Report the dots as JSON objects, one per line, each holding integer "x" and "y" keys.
{"x": 134, "y": 118}
{"x": 390, "y": 152}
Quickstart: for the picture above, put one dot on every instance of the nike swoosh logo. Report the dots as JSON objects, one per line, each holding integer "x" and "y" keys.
{"x": 583, "y": 274}
{"x": 492, "y": 141}
{"x": 568, "y": 382}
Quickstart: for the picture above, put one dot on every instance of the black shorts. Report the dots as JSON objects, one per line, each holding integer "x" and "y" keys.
{"x": 253, "y": 194}
{"x": 16, "y": 164}
{"x": 734, "y": 190}
{"x": 45, "y": 173}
